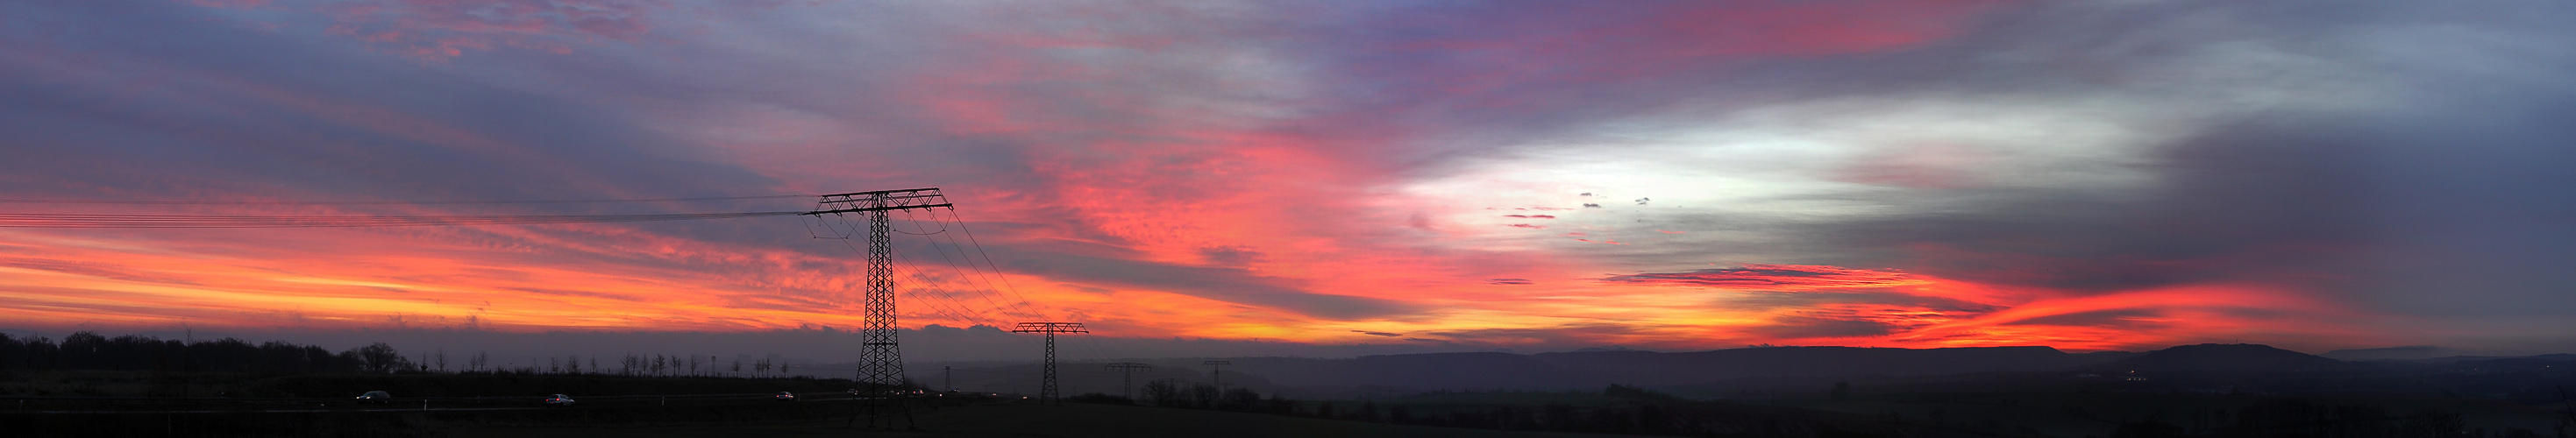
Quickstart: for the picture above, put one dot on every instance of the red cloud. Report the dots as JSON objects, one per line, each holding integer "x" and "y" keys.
{"x": 1776, "y": 276}
{"x": 1527, "y": 226}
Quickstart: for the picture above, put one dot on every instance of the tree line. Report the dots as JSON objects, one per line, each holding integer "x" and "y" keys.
{"x": 91, "y": 351}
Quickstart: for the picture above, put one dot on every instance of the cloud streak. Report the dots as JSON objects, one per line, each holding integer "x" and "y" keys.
{"x": 1920, "y": 173}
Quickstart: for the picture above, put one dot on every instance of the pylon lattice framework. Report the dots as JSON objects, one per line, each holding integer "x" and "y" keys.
{"x": 1047, "y": 392}
{"x": 880, "y": 356}
{"x": 1219, "y": 373}
{"x": 1126, "y": 378}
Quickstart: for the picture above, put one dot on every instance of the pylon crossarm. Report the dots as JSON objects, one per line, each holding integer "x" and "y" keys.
{"x": 1049, "y": 327}
{"x": 1047, "y": 392}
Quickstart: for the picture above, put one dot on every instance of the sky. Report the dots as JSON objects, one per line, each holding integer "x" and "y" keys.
{"x": 1314, "y": 177}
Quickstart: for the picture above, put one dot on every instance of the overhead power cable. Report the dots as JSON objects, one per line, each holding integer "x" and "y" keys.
{"x": 46, "y": 220}
{"x": 543, "y": 201}
{"x": 988, "y": 257}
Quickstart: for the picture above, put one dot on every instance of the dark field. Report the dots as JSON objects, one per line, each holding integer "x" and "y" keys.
{"x": 973, "y": 418}
{"x": 2379, "y": 400}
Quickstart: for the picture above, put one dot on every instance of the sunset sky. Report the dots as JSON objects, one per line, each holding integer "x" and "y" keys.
{"x": 2089, "y": 175}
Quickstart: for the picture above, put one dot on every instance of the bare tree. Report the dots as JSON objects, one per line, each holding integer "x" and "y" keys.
{"x": 380, "y": 358}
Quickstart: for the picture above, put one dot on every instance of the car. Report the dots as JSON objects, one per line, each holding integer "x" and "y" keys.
{"x": 375, "y": 397}
{"x": 559, "y": 401}
{"x": 785, "y": 396}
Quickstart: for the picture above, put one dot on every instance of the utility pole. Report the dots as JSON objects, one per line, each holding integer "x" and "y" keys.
{"x": 880, "y": 360}
{"x": 1126, "y": 381}
{"x": 1047, "y": 392}
{"x": 1219, "y": 374}
{"x": 948, "y": 378}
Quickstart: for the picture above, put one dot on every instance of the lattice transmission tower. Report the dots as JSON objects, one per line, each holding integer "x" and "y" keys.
{"x": 1126, "y": 378}
{"x": 880, "y": 357}
{"x": 1218, "y": 374}
{"x": 1047, "y": 392}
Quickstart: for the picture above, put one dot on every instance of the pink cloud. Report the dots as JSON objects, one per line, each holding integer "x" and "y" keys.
{"x": 442, "y": 29}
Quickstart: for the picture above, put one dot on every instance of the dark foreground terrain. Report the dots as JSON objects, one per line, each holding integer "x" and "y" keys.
{"x": 979, "y": 418}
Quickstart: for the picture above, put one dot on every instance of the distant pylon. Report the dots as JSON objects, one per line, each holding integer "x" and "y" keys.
{"x": 1219, "y": 374}
{"x": 1047, "y": 392}
{"x": 880, "y": 358}
{"x": 1126, "y": 381}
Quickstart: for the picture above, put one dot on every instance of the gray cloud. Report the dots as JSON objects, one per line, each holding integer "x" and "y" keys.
{"x": 2121, "y": 318}
{"x": 1814, "y": 327}
{"x": 1221, "y": 284}
{"x": 1760, "y": 300}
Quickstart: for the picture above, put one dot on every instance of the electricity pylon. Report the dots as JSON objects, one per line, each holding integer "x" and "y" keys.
{"x": 1126, "y": 381}
{"x": 880, "y": 359}
{"x": 1219, "y": 374}
{"x": 1046, "y": 388}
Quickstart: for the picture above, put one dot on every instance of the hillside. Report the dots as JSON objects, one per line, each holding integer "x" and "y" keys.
{"x": 1650, "y": 368}
{"x": 2223, "y": 358}
{"x": 1425, "y": 371}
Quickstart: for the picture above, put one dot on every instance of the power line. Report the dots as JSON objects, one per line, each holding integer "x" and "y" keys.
{"x": 48, "y": 220}
{"x": 904, "y": 264}
{"x": 917, "y": 272}
{"x": 988, "y": 257}
{"x": 985, "y": 292}
{"x": 546, "y": 201}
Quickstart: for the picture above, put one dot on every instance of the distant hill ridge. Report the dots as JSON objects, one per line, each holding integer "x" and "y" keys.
{"x": 1592, "y": 369}
{"x": 1597, "y": 367}
{"x": 1651, "y": 368}
{"x": 2226, "y": 358}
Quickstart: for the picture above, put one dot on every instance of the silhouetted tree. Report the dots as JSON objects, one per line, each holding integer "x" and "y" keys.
{"x": 1163, "y": 394}
{"x": 379, "y": 358}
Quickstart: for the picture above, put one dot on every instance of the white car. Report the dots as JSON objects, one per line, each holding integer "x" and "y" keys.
{"x": 559, "y": 401}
